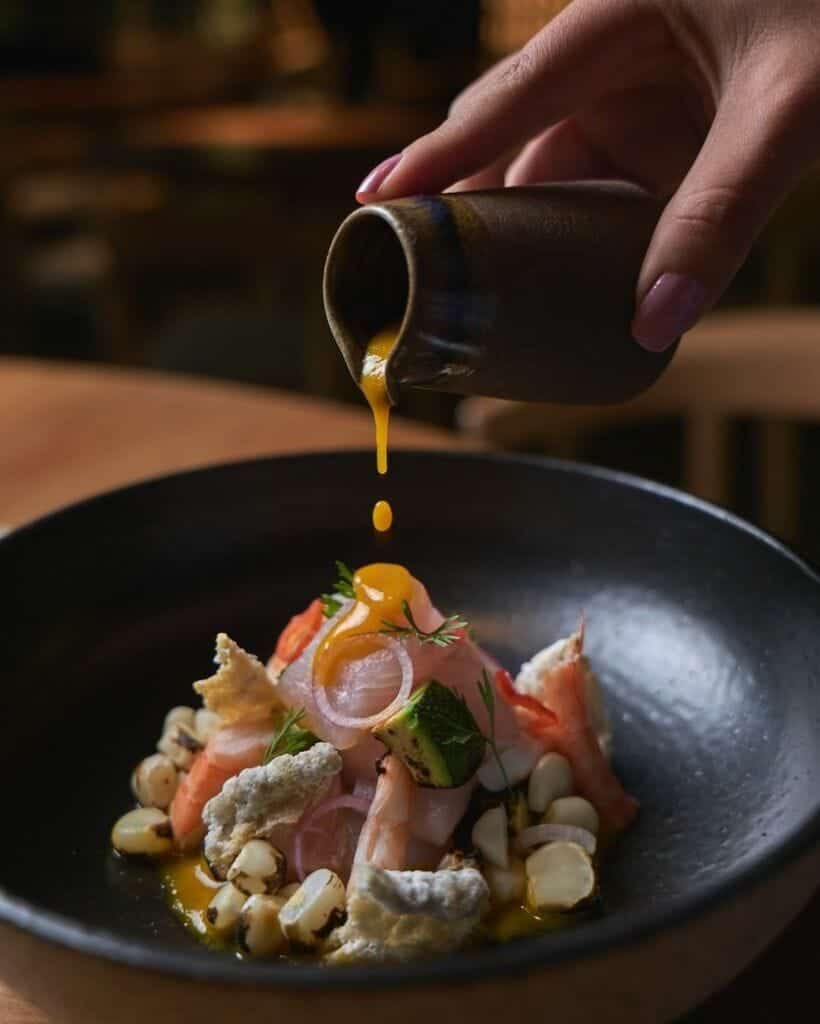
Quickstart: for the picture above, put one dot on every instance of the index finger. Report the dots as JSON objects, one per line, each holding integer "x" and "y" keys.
{"x": 591, "y": 46}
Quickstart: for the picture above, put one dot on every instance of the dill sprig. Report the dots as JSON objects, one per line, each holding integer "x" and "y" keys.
{"x": 442, "y": 636}
{"x": 462, "y": 732}
{"x": 290, "y": 739}
{"x": 487, "y": 691}
{"x": 343, "y": 587}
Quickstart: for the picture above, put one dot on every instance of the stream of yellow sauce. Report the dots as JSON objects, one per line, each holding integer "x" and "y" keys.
{"x": 379, "y": 589}
{"x": 373, "y": 383}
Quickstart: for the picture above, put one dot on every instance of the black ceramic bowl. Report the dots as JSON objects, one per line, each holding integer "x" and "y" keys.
{"x": 706, "y": 634}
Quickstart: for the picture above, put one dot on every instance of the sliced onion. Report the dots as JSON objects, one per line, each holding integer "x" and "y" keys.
{"x": 371, "y": 721}
{"x": 295, "y": 688}
{"x": 537, "y": 835}
{"x": 310, "y": 824}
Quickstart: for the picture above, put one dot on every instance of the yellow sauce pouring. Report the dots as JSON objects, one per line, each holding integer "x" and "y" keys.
{"x": 380, "y": 589}
{"x": 373, "y": 383}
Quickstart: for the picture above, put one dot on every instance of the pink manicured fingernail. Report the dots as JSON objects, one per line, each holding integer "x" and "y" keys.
{"x": 671, "y": 306}
{"x": 377, "y": 177}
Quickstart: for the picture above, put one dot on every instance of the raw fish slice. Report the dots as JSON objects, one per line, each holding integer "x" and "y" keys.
{"x": 422, "y": 856}
{"x": 365, "y": 685}
{"x": 295, "y": 689}
{"x": 359, "y": 762}
{"x": 436, "y": 812}
{"x": 333, "y": 846}
{"x": 462, "y": 671}
{"x": 240, "y": 746}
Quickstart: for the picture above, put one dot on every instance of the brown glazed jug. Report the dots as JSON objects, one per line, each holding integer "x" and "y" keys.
{"x": 521, "y": 293}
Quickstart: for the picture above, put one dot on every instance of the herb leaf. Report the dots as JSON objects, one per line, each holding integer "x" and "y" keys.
{"x": 342, "y": 587}
{"x": 330, "y": 605}
{"x": 487, "y": 692}
{"x": 344, "y": 584}
{"x": 462, "y": 733}
{"x": 442, "y": 636}
{"x": 291, "y": 739}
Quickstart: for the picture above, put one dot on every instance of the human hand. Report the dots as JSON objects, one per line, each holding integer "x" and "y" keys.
{"x": 713, "y": 105}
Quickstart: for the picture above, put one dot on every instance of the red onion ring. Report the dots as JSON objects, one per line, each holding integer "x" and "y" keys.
{"x": 371, "y": 721}
{"x": 309, "y": 824}
{"x": 537, "y": 835}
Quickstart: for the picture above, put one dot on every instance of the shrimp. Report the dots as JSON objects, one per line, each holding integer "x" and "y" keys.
{"x": 559, "y": 715}
{"x": 385, "y": 835}
{"x": 228, "y": 751}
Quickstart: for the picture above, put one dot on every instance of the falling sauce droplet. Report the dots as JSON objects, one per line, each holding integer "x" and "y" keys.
{"x": 382, "y": 516}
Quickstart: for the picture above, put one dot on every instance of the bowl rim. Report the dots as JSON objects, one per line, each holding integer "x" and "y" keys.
{"x": 602, "y": 935}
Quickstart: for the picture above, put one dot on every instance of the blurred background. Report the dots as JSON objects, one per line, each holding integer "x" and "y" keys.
{"x": 173, "y": 171}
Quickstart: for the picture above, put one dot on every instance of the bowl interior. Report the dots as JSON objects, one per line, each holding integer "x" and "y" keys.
{"x": 706, "y": 636}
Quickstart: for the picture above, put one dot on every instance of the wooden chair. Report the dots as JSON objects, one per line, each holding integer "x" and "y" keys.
{"x": 759, "y": 364}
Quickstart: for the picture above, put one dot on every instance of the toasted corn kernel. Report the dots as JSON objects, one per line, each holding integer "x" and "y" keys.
{"x": 259, "y": 867}
{"x": 147, "y": 831}
{"x": 259, "y": 931}
{"x": 551, "y": 778}
{"x": 314, "y": 910}
{"x": 225, "y": 907}
{"x": 573, "y": 810}
{"x": 155, "y": 781}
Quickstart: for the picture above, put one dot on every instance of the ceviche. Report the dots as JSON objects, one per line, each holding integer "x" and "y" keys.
{"x": 382, "y": 789}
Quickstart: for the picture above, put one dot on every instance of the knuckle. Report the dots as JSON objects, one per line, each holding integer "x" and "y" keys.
{"x": 508, "y": 75}
{"x": 518, "y": 70}
{"x": 715, "y": 210}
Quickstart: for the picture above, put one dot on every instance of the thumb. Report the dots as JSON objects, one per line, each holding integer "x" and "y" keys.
{"x": 751, "y": 157}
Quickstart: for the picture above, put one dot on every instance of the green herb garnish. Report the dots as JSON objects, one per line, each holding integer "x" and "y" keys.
{"x": 343, "y": 587}
{"x": 487, "y": 691}
{"x": 291, "y": 739}
{"x": 442, "y": 636}
{"x": 436, "y": 736}
{"x": 330, "y": 605}
{"x": 462, "y": 732}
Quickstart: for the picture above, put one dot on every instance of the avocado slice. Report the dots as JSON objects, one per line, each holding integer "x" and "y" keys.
{"x": 436, "y": 737}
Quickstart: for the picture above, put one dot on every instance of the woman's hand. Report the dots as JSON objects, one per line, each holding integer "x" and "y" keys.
{"x": 714, "y": 105}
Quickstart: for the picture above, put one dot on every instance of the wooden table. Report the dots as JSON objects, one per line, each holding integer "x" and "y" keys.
{"x": 756, "y": 364}
{"x": 68, "y": 432}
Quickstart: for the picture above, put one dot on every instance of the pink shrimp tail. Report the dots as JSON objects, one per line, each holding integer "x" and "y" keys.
{"x": 384, "y": 839}
{"x": 562, "y": 722}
